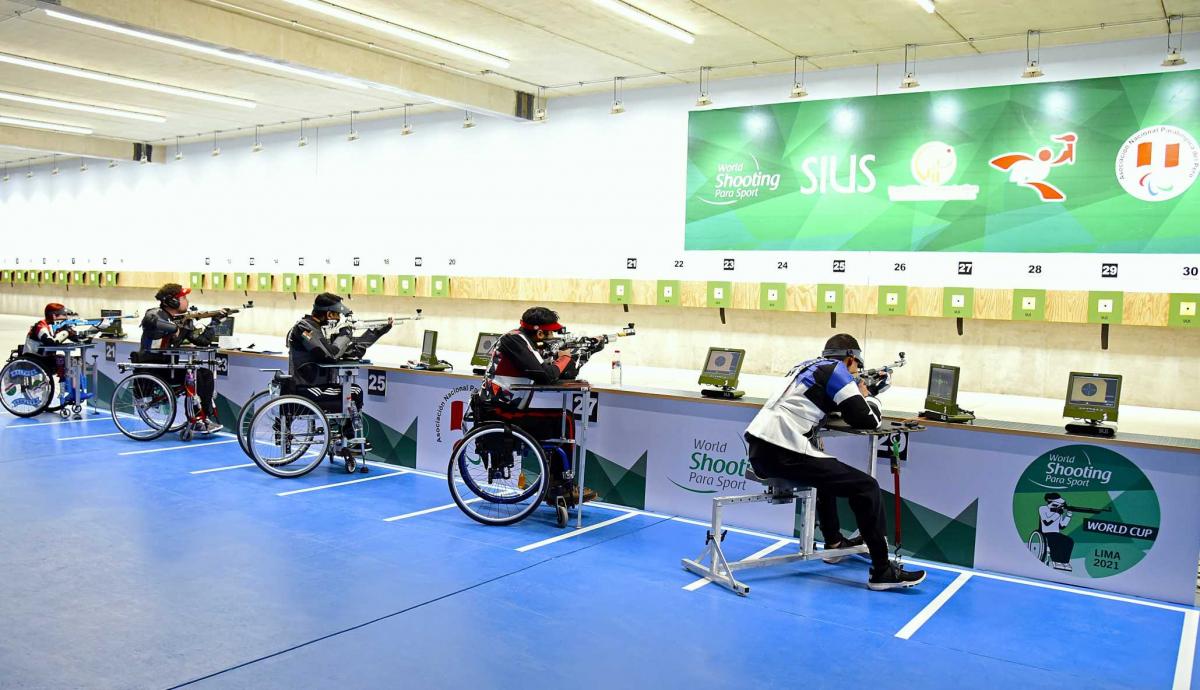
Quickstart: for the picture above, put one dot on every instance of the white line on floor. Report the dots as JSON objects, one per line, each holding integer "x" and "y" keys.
{"x": 427, "y": 511}
{"x": 1187, "y": 651}
{"x": 77, "y": 438}
{"x": 12, "y": 427}
{"x": 932, "y": 607}
{"x": 181, "y": 446}
{"x": 754, "y": 556}
{"x": 575, "y": 533}
{"x": 352, "y": 481}
{"x": 222, "y": 469}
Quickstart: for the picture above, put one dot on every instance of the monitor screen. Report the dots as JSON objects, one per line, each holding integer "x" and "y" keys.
{"x": 483, "y": 349}
{"x": 722, "y": 366}
{"x": 114, "y": 328}
{"x": 429, "y": 347}
{"x": 1093, "y": 396}
{"x": 225, "y": 327}
{"x": 943, "y": 383}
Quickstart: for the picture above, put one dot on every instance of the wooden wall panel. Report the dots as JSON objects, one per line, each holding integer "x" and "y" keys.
{"x": 993, "y": 303}
{"x": 924, "y": 301}
{"x": 1066, "y": 306}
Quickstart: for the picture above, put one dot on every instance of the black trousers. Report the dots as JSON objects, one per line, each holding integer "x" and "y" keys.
{"x": 832, "y": 479}
{"x": 1060, "y": 546}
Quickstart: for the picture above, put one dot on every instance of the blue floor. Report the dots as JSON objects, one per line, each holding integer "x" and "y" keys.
{"x": 130, "y": 571}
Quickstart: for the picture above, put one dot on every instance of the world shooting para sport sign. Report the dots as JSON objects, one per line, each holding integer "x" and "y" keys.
{"x": 1093, "y": 165}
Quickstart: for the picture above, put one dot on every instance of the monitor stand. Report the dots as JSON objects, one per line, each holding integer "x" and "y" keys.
{"x": 725, "y": 392}
{"x": 1092, "y": 428}
{"x": 479, "y": 371}
{"x": 956, "y": 417}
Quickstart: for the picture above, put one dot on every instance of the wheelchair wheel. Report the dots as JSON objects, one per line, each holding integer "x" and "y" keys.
{"x": 143, "y": 407}
{"x": 246, "y": 416}
{"x": 1037, "y": 546}
{"x": 289, "y": 436}
{"x": 497, "y": 474}
{"x": 25, "y": 388}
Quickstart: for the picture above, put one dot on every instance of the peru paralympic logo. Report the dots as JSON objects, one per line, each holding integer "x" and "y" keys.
{"x": 1158, "y": 163}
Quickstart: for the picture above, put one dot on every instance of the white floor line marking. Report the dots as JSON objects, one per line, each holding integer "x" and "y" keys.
{"x": 352, "y": 481}
{"x": 427, "y": 511}
{"x": 754, "y": 556}
{"x": 77, "y": 438}
{"x": 575, "y": 533}
{"x": 1187, "y": 651}
{"x": 222, "y": 469}
{"x": 12, "y": 427}
{"x": 181, "y": 446}
{"x": 932, "y": 607}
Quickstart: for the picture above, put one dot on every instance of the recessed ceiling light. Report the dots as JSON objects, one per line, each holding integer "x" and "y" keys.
{"x": 646, "y": 19}
{"x": 213, "y": 51}
{"x": 403, "y": 32}
{"x": 40, "y": 124}
{"x": 123, "y": 81}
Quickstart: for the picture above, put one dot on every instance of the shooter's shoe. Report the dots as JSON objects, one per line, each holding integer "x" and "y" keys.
{"x": 894, "y": 577}
{"x": 842, "y": 544}
{"x": 209, "y": 426}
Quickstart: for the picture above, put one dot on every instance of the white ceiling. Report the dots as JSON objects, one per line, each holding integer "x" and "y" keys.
{"x": 549, "y": 42}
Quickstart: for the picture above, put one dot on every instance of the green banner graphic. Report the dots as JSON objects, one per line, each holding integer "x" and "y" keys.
{"x": 1094, "y": 165}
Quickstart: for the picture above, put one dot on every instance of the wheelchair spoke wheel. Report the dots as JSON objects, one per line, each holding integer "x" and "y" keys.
{"x": 497, "y": 474}
{"x": 1037, "y": 546}
{"x": 143, "y": 407}
{"x": 25, "y": 388}
{"x": 289, "y": 436}
{"x": 246, "y": 416}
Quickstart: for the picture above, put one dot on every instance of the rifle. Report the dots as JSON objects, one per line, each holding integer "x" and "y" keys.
{"x": 377, "y": 323}
{"x": 585, "y": 345}
{"x": 872, "y": 377}
{"x": 77, "y": 322}
{"x": 195, "y": 315}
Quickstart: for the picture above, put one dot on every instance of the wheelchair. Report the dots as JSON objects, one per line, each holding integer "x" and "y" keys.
{"x": 27, "y": 389}
{"x": 1037, "y": 546}
{"x": 144, "y": 405}
{"x": 499, "y": 473}
{"x": 288, "y": 435}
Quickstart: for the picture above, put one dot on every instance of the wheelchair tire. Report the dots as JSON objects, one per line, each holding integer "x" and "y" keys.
{"x": 286, "y": 430}
{"x": 1037, "y": 546}
{"x": 245, "y": 416}
{"x": 143, "y": 407}
{"x": 26, "y": 389}
{"x": 488, "y": 500}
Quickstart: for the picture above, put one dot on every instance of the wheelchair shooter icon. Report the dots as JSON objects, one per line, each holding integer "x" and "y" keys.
{"x": 1048, "y": 543}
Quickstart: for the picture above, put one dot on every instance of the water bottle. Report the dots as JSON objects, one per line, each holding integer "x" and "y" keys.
{"x": 615, "y": 378}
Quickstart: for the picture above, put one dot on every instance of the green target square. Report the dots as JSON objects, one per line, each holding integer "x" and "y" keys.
{"x": 289, "y": 282}
{"x": 6, "y": 276}
{"x": 1105, "y": 306}
{"x": 18, "y": 277}
{"x": 61, "y": 277}
{"x": 893, "y": 300}
{"x": 772, "y": 296}
{"x": 196, "y": 281}
{"x": 958, "y": 302}
{"x": 668, "y": 293}
{"x": 315, "y": 282}
{"x": 345, "y": 283}
{"x": 1184, "y": 310}
{"x": 241, "y": 281}
{"x": 264, "y": 282}
{"x": 77, "y": 277}
{"x": 109, "y": 279}
{"x": 406, "y": 286}
{"x": 375, "y": 284}
{"x": 831, "y": 297}
{"x": 1029, "y": 305}
{"x": 37, "y": 277}
{"x": 92, "y": 278}
{"x": 620, "y": 291}
{"x": 218, "y": 281}
{"x": 439, "y": 286}
{"x": 720, "y": 293}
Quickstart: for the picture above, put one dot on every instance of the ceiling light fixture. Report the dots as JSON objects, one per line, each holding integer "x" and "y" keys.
{"x": 80, "y": 107}
{"x": 303, "y": 139}
{"x": 6, "y": 177}
{"x": 257, "y": 143}
{"x": 124, "y": 81}
{"x": 401, "y": 32}
{"x": 927, "y": 5}
{"x": 468, "y": 123}
{"x": 704, "y": 99}
{"x": 1033, "y": 55}
{"x": 618, "y": 106}
{"x": 216, "y": 150}
{"x": 1174, "y": 47}
{"x": 40, "y": 124}
{"x": 29, "y": 170}
{"x": 353, "y": 135}
{"x": 910, "y": 69}
{"x": 798, "y": 90}
{"x": 646, "y": 19}
{"x": 83, "y": 166}
{"x": 54, "y": 165}
{"x": 539, "y": 110}
{"x": 205, "y": 49}
{"x": 178, "y": 150}
{"x": 407, "y": 128}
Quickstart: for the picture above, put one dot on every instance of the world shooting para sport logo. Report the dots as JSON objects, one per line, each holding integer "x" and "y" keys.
{"x": 736, "y": 181}
{"x": 1158, "y": 163}
{"x": 709, "y": 472}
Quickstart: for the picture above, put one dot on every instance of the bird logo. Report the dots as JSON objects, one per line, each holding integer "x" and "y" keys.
{"x": 1032, "y": 170}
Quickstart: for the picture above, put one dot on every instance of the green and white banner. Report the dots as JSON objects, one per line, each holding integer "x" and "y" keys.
{"x": 1096, "y": 165}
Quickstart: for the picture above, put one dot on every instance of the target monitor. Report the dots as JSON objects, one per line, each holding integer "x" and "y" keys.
{"x": 722, "y": 367}
{"x": 1093, "y": 397}
{"x": 943, "y": 384}
{"x": 429, "y": 348}
{"x": 483, "y": 349}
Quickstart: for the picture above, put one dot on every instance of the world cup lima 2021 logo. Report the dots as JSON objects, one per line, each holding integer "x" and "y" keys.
{"x": 1158, "y": 163}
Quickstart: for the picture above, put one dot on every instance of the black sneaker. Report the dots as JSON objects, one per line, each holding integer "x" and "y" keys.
{"x": 894, "y": 577}
{"x": 842, "y": 544}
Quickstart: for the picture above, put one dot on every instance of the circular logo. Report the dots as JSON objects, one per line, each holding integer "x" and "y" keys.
{"x": 1086, "y": 511}
{"x": 933, "y": 163}
{"x": 1158, "y": 163}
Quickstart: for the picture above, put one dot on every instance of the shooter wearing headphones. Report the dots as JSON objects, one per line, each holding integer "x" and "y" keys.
{"x": 162, "y": 328}
{"x": 308, "y": 345}
{"x": 782, "y": 444}
{"x": 43, "y": 334}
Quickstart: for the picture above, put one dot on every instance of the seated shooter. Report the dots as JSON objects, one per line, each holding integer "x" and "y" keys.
{"x": 781, "y": 443}
{"x": 520, "y": 357}
{"x": 162, "y": 329}
{"x": 43, "y": 334}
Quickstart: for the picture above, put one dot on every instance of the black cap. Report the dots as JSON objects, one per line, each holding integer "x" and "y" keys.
{"x": 327, "y": 301}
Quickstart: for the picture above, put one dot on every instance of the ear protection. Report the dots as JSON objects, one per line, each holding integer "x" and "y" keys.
{"x": 844, "y": 353}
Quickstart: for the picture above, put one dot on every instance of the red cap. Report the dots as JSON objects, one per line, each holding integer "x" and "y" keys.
{"x": 185, "y": 291}
{"x": 556, "y": 326}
